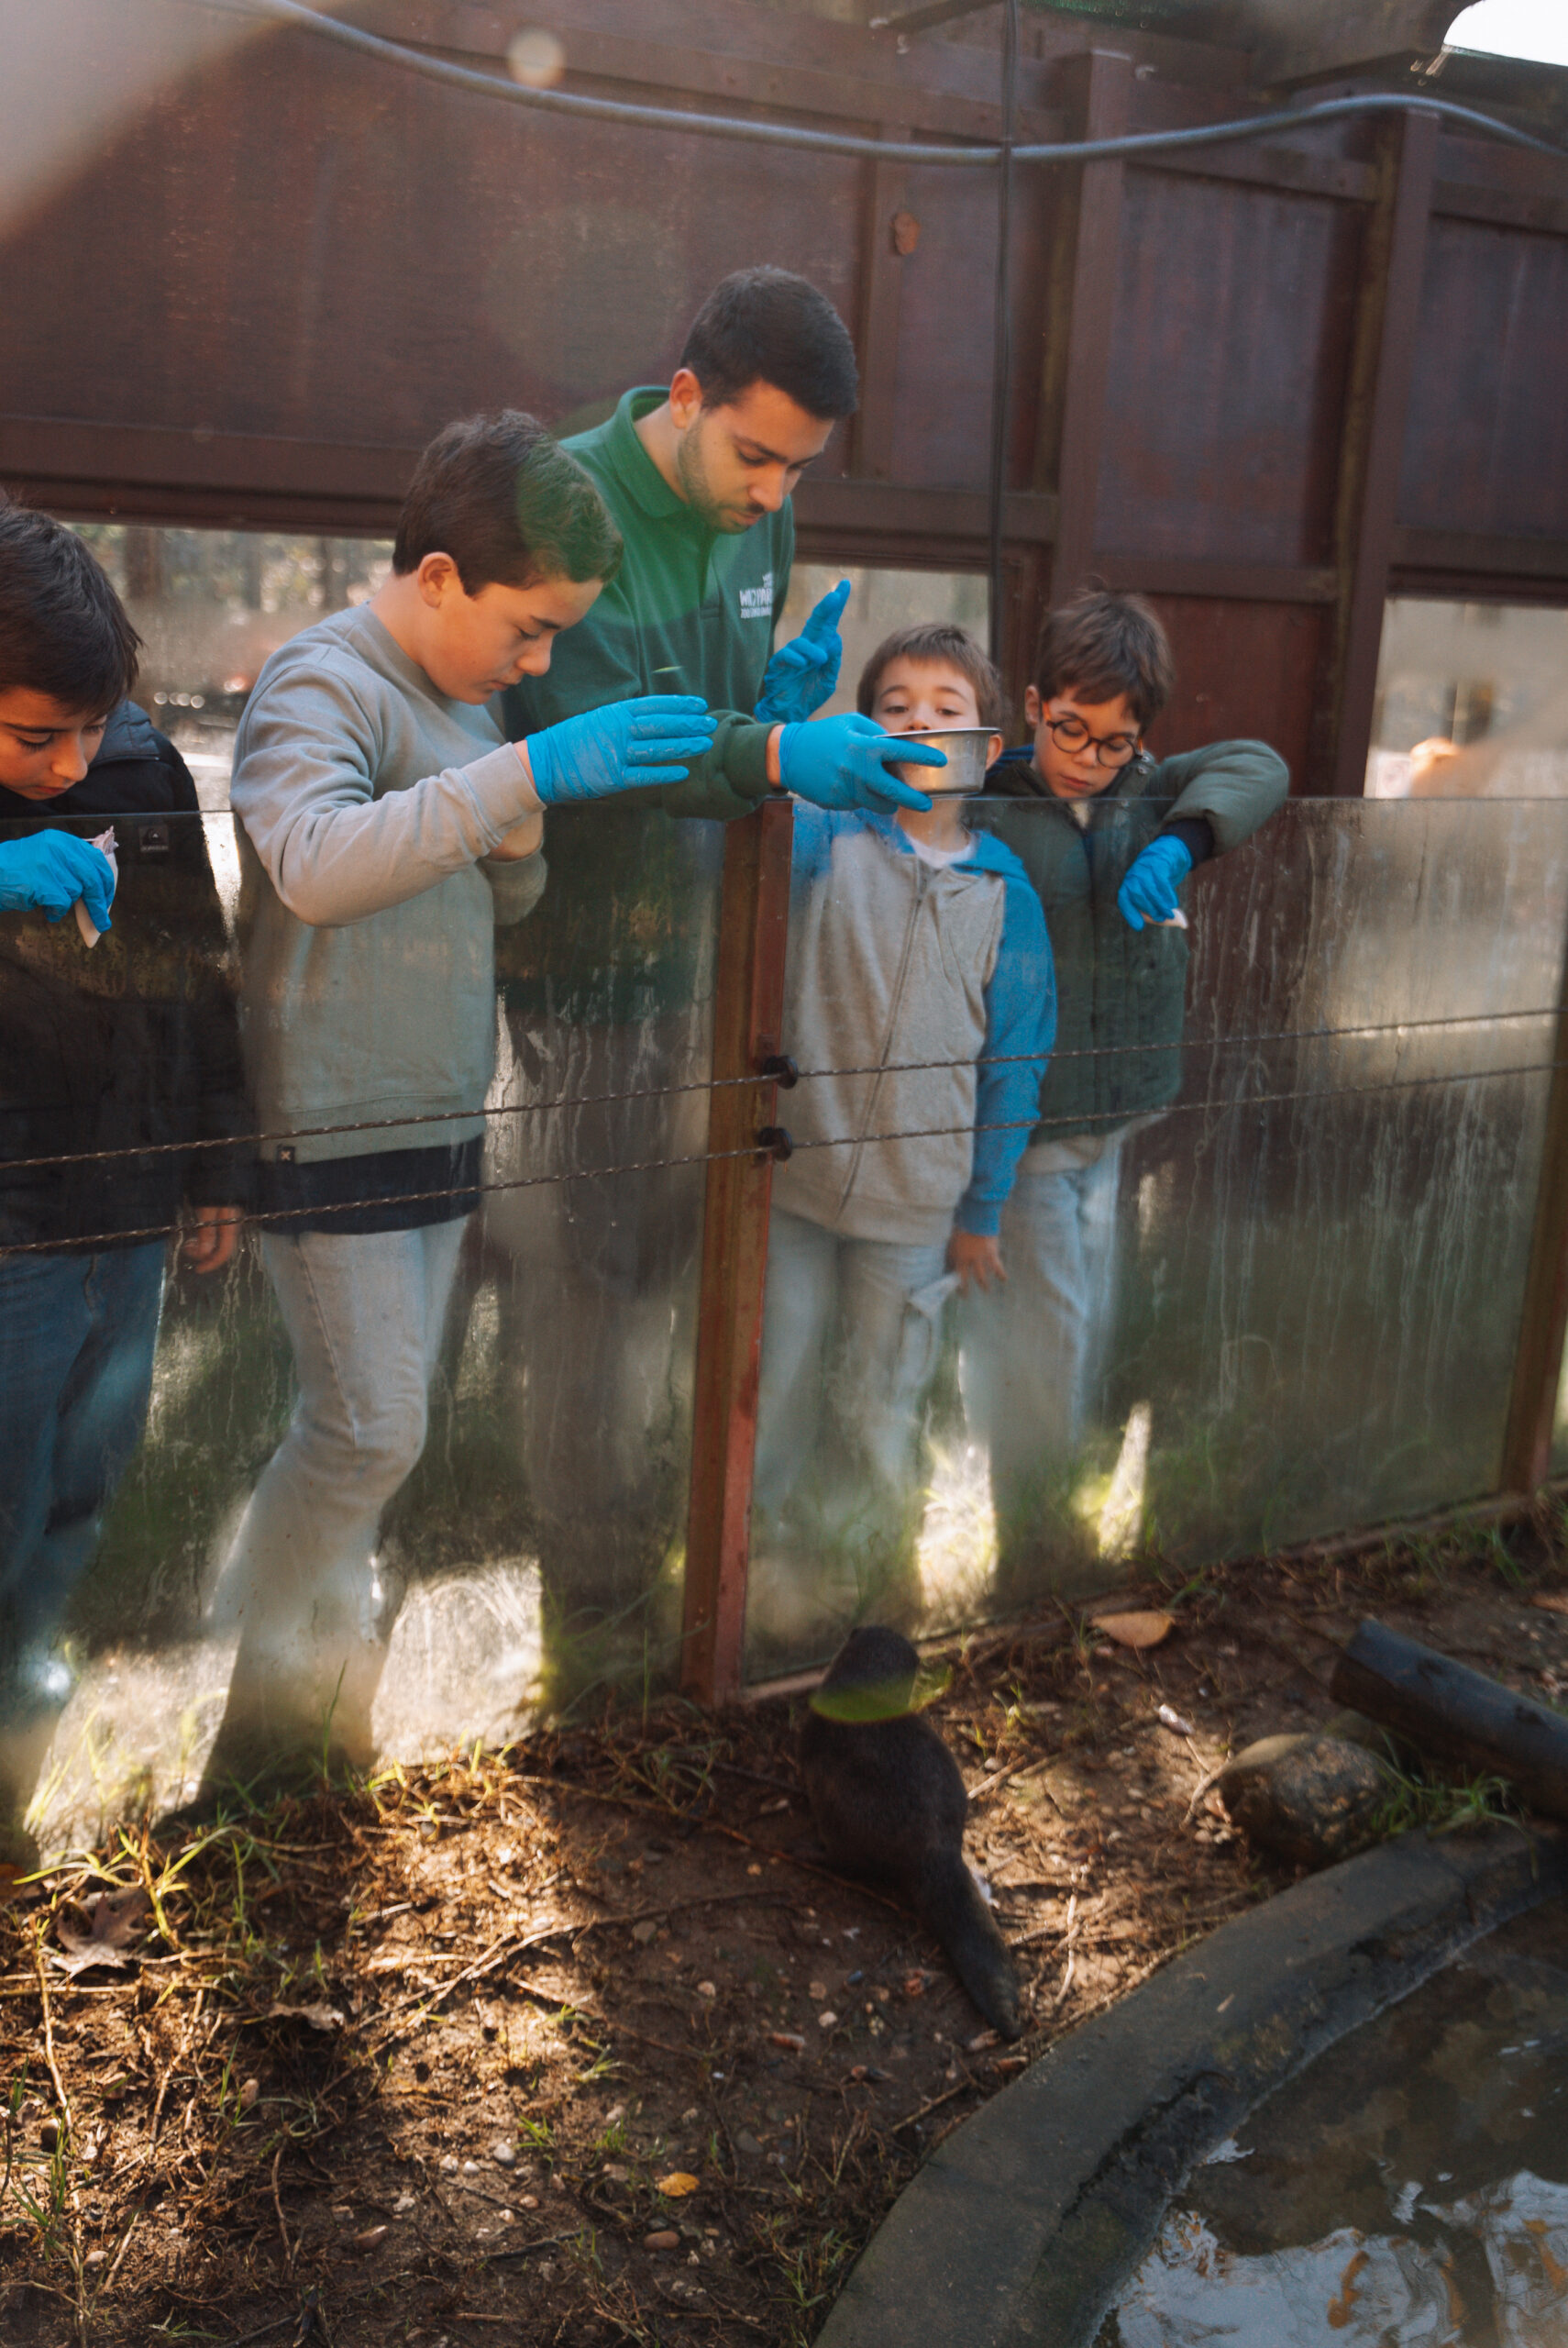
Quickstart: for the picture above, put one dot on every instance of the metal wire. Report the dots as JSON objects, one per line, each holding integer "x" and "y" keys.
{"x": 77, "y": 1245}
{"x": 829, "y": 142}
{"x": 729, "y": 1083}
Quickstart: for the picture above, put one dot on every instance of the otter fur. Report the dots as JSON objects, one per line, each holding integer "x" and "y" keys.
{"x": 889, "y": 1804}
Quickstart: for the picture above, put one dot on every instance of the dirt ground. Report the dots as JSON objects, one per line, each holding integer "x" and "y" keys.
{"x": 580, "y": 2042}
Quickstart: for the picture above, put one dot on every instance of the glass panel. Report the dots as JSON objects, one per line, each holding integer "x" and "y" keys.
{"x": 535, "y": 1548}
{"x": 1277, "y": 1293}
{"x": 1472, "y": 703}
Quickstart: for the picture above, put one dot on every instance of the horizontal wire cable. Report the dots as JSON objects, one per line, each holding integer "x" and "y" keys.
{"x": 831, "y": 142}
{"x": 76, "y": 1245}
{"x": 727, "y": 1083}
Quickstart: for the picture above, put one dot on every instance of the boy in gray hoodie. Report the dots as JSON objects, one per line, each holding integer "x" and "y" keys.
{"x": 921, "y": 1007}
{"x": 386, "y": 829}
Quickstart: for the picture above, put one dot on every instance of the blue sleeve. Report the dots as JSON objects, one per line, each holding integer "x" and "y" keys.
{"x": 1021, "y": 1027}
{"x": 815, "y": 830}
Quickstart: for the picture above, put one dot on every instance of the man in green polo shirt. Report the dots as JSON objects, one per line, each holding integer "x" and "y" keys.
{"x": 611, "y": 993}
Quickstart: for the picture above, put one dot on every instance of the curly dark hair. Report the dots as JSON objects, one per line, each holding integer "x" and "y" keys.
{"x": 1102, "y": 644}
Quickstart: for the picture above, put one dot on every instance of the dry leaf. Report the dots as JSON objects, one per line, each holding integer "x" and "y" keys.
{"x": 791, "y": 2040}
{"x": 1551, "y": 1601}
{"x": 319, "y": 2017}
{"x": 113, "y": 1922}
{"x": 676, "y": 2184}
{"x": 1144, "y": 1628}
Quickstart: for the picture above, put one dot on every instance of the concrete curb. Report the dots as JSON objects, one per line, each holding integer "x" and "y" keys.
{"x": 1023, "y": 2224}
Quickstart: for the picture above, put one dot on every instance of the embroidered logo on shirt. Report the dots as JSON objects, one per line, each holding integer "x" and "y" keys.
{"x": 756, "y": 603}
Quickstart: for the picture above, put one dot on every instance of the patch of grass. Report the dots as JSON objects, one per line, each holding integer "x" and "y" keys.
{"x": 1420, "y": 1798}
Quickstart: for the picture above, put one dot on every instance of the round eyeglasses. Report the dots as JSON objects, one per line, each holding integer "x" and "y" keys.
{"x": 1070, "y": 734}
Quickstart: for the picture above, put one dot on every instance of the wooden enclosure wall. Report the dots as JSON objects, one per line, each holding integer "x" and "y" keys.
{"x": 1258, "y": 383}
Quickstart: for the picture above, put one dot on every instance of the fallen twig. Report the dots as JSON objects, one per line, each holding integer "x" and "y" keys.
{"x": 48, "y": 2029}
{"x": 283, "y": 2230}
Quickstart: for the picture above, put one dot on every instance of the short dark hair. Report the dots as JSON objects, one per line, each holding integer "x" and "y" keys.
{"x": 63, "y": 630}
{"x": 1102, "y": 644}
{"x": 935, "y": 640}
{"x": 508, "y": 503}
{"x": 768, "y": 326}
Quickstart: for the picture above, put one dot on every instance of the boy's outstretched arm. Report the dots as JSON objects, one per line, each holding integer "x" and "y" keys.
{"x": 305, "y": 790}
{"x": 1233, "y": 787}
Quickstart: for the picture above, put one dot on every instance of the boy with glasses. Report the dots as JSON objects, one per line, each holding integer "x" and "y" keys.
{"x": 1107, "y": 851}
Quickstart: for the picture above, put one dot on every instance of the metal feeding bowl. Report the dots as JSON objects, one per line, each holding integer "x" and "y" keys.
{"x": 965, "y": 773}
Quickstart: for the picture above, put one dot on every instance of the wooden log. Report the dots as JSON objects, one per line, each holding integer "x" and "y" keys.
{"x": 1456, "y": 1713}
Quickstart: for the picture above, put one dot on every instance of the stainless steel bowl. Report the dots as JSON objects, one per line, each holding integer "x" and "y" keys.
{"x": 965, "y": 773}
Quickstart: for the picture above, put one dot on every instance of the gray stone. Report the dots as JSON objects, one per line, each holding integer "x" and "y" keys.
{"x": 746, "y": 2142}
{"x": 1309, "y": 1799}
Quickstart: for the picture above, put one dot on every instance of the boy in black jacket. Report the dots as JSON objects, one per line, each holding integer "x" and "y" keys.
{"x": 112, "y": 1055}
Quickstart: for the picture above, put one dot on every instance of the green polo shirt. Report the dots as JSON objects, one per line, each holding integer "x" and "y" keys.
{"x": 624, "y": 928}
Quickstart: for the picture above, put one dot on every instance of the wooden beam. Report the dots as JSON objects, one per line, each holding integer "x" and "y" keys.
{"x": 1241, "y": 583}
{"x": 1543, "y": 1324}
{"x": 747, "y": 1019}
{"x": 884, "y": 246}
{"x": 1081, "y": 320}
{"x": 750, "y": 56}
{"x": 1372, "y": 446}
{"x": 1471, "y": 553}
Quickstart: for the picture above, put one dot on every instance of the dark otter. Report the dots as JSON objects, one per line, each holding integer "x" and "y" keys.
{"x": 889, "y": 1804}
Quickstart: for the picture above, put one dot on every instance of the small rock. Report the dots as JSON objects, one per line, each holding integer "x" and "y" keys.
{"x": 449, "y": 2164}
{"x": 96, "y": 2258}
{"x": 816, "y": 1991}
{"x": 403, "y": 2204}
{"x": 642, "y": 1934}
{"x": 49, "y": 2135}
{"x": 617, "y": 2172}
{"x": 791, "y": 2040}
{"x": 665, "y": 2239}
{"x": 504, "y": 2155}
{"x": 470, "y": 2168}
{"x": 250, "y": 2095}
{"x": 528, "y": 2201}
{"x": 914, "y": 1985}
{"x": 707, "y": 1990}
{"x": 746, "y": 2142}
{"x": 827, "y": 2020}
{"x": 1310, "y": 1799}
{"x": 370, "y": 2239}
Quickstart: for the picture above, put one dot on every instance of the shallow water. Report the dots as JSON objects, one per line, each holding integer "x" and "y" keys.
{"x": 1410, "y": 2187}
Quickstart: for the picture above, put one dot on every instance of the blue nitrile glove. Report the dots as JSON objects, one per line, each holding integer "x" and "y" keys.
{"x": 50, "y": 870}
{"x": 848, "y": 761}
{"x": 626, "y": 745}
{"x": 801, "y": 674}
{"x": 1149, "y": 891}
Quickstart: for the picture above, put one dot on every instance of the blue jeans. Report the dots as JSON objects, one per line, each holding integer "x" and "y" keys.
{"x": 1032, "y": 1349}
{"x": 77, "y": 1338}
{"x": 850, "y": 1328}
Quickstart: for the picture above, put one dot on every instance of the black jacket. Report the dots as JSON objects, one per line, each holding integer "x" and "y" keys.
{"x": 133, "y": 1042}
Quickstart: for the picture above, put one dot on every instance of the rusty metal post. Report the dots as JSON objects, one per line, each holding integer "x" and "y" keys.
{"x": 754, "y": 922}
{"x": 1538, "y": 1364}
